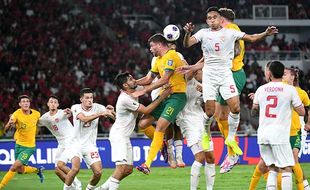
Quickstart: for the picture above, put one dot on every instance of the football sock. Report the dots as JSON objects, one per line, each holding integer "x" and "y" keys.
{"x": 195, "y": 174}
{"x": 279, "y": 181}
{"x": 255, "y": 178}
{"x": 90, "y": 187}
{"x": 272, "y": 180}
{"x": 233, "y": 122}
{"x": 114, "y": 184}
{"x": 298, "y": 176}
{"x": 154, "y": 148}
{"x": 149, "y": 131}
{"x": 210, "y": 175}
{"x": 225, "y": 128}
{"x": 178, "y": 149}
{"x": 306, "y": 185}
{"x": 265, "y": 176}
{"x": 29, "y": 169}
{"x": 287, "y": 183}
{"x": 7, "y": 177}
{"x": 106, "y": 184}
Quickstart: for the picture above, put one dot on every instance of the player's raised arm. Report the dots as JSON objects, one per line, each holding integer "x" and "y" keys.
{"x": 9, "y": 124}
{"x": 271, "y": 30}
{"x": 89, "y": 118}
{"x": 188, "y": 68}
{"x": 147, "y": 79}
{"x": 189, "y": 40}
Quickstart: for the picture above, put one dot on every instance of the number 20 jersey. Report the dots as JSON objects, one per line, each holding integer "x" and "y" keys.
{"x": 275, "y": 100}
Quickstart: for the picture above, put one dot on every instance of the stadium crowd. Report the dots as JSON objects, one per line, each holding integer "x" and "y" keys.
{"x": 58, "y": 47}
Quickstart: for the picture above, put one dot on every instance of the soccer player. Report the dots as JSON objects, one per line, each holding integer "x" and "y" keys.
{"x": 85, "y": 117}
{"x": 274, "y": 101}
{"x": 56, "y": 120}
{"x": 127, "y": 109}
{"x": 221, "y": 108}
{"x": 217, "y": 44}
{"x": 25, "y": 121}
{"x": 166, "y": 63}
{"x": 191, "y": 122}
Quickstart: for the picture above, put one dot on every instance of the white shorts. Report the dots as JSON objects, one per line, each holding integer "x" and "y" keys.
{"x": 90, "y": 155}
{"x": 215, "y": 83}
{"x": 66, "y": 154}
{"x": 196, "y": 148}
{"x": 281, "y": 155}
{"x": 121, "y": 151}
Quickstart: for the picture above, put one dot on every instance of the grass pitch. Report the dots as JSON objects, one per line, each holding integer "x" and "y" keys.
{"x": 161, "y": 178}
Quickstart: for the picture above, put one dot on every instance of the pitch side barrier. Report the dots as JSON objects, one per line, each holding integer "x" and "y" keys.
{"x": 46, "y": 150}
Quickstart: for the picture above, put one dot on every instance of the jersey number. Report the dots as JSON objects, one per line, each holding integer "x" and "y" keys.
{"x": 54, "y": 127}
{"x": 217, "y": 46}
{"x": 94, "y": 155}
{"x": 273, "y": 104}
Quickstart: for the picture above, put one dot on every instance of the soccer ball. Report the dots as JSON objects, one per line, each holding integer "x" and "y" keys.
{"x": 171, "y": 32}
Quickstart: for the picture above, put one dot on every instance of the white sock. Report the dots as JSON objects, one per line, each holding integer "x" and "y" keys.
{"x": 272, "y": 180}
{"x": 178, "y": 149}
{"x": 287, "y": 183}
{"x": 207, "y": 121}
{"x": 170, "y": 146}
{"x": 106, "y": 184}
{"x": 66, "y": 187}
{"x": 195, "y": 174}
{"x": 90, "y": 187}
{"x": 114, "y": 184}
{"x": 306, "y": 185}
{"x": 77, "y": 182}
{"x": 210, "y": 175}
{"x": 233, "y": 123}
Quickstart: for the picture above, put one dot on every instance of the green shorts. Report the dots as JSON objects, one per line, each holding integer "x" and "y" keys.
{"x": 170, "y": 108}
{"x": 295, "y": 141}
{"x": 23, "y": 153}
{"x": 240, "y": 80}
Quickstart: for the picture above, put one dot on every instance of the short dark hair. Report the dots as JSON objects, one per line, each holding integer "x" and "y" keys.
{"x": 277, "y": 69}
{"x": 23, "y": 96}
{"x": 229, "y": 14}
{"x": 158, "y": 38}
{"x": 54, "y": 97}
{"x": 210, "y": 9}
{"x": 121, "y": 78}
{"x": 85, "y": 91}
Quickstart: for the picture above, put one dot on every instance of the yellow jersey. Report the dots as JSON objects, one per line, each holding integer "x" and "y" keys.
{"x": 26, "y": 127}
{"x": 170, "y": 61}
{"x": 295, "y": 126}
{"x": 237, "y": 63}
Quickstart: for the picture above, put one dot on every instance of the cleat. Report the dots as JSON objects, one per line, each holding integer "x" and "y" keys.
{"x": 144, "y": 169}
{"x": 229, "y": 163}
{"x": 164, "y": 151}
{"x": 234, "y": 145}
{"x": 77, "y": 184}
{"x": 180, "y": 163}
{"x": 40, "y": 173}
{"x": 205, "y": 141}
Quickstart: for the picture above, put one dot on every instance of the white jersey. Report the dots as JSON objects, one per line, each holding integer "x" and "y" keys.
{"x": 275, "y": 100}
{"x": 126, "y": 115}
{"x": 218, "y": 47}
{"x": 155, "y": 92}
{"x": 61, "y": 128}
{"x": 89, "y": 130}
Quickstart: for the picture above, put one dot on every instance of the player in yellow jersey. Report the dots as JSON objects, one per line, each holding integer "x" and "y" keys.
{"x": 166, "y": 63}
{"x": 25, "y": 121}
{"x": 291, "y": 77}
{"x": 221, "y": 108}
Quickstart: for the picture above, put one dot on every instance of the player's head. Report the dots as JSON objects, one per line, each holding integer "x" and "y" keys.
{"x": 157, "y": 43}
{"x": 227, "y": 14}
{"x": 24, "y": 102}
{"x": 267, "y": 72}
{"x": 87, "y": 97}
{"x": 276, "y": 69}
{"x": 53, "y": 103}
{"x": 214, "y": 18}
{"x": 125, "y": 81}
{"x": 291, "y": 76}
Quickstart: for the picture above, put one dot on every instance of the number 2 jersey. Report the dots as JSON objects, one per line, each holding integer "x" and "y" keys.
{"x": 276, "y": 101}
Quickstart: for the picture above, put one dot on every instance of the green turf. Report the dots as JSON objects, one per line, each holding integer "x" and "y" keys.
{"x": 159, "y": 179}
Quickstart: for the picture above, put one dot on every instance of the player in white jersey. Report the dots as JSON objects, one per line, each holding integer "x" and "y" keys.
{"x": 191, "y": 122}
{"x": 275, "y": 101}
{"x": 85, "y": 117}
{"x": 127, "y": 110}
{"x": 217, "y": 44}
{"x": 56, "y": 120}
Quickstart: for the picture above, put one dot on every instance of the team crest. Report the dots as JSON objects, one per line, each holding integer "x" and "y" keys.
{"x": 170, "y": 62}
{"x": 56, "y": 120}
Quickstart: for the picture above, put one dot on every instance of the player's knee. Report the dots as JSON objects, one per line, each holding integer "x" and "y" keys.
{"x": 97, "y": 174}
{"x": 235, "y": 109}
{"x": 142, "y": 125}
{"x": 57, "y": 170}
{"x": 199, "y": 157}
{"x": 209, "y": 112}
{"x": 129, "y": 171}
{"x": 210, "y": 159}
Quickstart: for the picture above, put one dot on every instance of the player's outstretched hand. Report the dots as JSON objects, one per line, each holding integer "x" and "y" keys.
{"x": 183, "y": 69}
{"x": 166, "y": 92}
{"x": 109, "y": 113}
{"x": 199, "y": 88}
{"x": 189, "y": 27}
{"x": 110, "y": 107}
{"x": 251, "y": 96}
{"x": 271, "y": 30}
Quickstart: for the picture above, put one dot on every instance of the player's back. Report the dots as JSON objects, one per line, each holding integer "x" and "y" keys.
{"x": 275, "y": 100}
